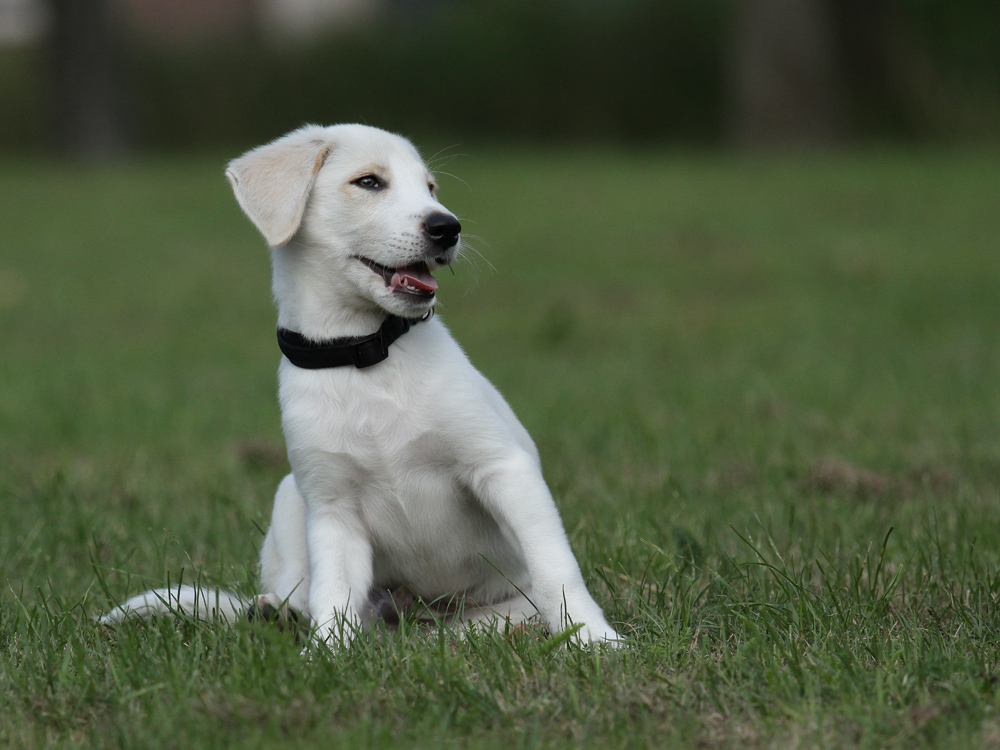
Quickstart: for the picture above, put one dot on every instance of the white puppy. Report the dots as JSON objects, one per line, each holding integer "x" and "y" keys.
{"x": 409, "y": 470}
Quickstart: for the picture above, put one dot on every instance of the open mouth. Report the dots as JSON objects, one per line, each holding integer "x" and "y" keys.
{"x": 415, "y": 280}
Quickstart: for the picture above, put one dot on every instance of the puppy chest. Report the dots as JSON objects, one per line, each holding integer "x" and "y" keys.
{"x": 368, "y": 414}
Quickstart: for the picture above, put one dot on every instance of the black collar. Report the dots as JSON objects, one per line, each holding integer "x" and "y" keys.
{"x": 360, "y": 351}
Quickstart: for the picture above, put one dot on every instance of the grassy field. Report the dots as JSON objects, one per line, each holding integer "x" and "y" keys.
{"x": 767, "y": 396}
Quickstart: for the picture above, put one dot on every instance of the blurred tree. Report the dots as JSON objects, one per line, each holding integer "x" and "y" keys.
{"x": 87, "y": 99}
{"x": 896, "y": 86}
{"x": 785, "y": 73}
{"x": 818, "y": 71}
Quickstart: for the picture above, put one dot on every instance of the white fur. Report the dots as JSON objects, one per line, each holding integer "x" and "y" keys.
{"x": 412, "y": 473}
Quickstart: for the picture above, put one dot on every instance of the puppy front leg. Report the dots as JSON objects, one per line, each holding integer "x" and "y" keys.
{"x": 514, "y": 491}
{"x": 340, "y": 571}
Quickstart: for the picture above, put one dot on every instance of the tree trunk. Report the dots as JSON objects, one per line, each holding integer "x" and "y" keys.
{"x": 786, "y": 86}
{"x": 87, "y": 85}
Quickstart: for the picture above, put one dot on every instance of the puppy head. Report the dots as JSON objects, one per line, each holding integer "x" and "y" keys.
{"x": 357, "y": 207}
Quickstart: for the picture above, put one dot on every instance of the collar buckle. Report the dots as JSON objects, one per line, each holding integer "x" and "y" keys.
{"x": 369, "y": 352}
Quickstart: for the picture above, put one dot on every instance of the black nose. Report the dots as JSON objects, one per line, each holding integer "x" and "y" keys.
{"x": 443, "y": 229}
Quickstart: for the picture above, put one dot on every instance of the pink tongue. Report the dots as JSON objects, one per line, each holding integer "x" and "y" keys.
{"x": 416, "y": 277}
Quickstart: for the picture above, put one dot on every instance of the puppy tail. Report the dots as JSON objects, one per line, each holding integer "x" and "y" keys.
{"x": 189, "y": 601}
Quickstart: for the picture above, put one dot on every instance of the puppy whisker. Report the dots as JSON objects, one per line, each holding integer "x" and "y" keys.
{"x": 454, "y": 177}
{"x": 440, "y": 157}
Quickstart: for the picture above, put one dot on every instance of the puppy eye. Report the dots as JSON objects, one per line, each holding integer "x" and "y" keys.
{"x": 369, "y": 182}
{"x": 432, "y": 187}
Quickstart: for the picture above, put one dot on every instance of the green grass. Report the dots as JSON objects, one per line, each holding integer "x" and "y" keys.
{"x": 767, "y": 396}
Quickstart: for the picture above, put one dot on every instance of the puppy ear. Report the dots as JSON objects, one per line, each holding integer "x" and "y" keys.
{"x": 272, "y": 182}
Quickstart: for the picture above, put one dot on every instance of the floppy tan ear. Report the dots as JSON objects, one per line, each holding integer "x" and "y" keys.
{"x": 272, "y": 182}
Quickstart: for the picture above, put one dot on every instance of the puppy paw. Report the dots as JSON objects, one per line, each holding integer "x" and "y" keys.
{"x": 601, "y": 634}
{"x": 268, "y": 608}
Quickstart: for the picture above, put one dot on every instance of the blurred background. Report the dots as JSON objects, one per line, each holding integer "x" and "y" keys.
{"x": 100, "y": 78}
